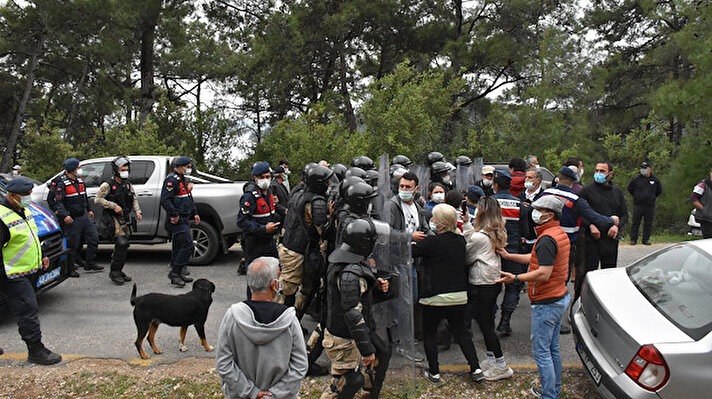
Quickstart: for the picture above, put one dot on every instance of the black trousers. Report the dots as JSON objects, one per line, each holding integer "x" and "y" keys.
{"x": 647, "y": 213}
{"x": 706, "y": 229}
{"x": 603, "y": 251}
{"x": 483, "y": 299}
{"x": 432, "y": 315}
{"x": 19, "y": 296}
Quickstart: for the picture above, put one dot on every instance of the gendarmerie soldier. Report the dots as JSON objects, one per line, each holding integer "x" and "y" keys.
{"x": 67, "y": 197}
{"x": 257, "y": 217}
{"x": 350, "y": 340}
{"x": 299, "y": 251}
{"x": 118, "y": 199}
{"x": 21, "y": 257}
{"x": 177, "y": 200}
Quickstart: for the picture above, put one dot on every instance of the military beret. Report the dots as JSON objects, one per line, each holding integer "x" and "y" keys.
{"x": 260, "y": 168}
{"x": 568, "y": 172}
{"x": 474, "y": 193}
{"x": 182, "y": 161}
{"x": 20, "y": 185}
{"x": 70, "y": 164}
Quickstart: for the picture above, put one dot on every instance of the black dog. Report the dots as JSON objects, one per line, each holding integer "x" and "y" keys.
{"x": 150, "y": 310}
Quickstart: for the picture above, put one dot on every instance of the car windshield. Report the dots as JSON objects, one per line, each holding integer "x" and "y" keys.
{"x": 676, "y": 281}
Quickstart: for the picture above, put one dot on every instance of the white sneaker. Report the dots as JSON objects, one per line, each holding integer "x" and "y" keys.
{"x": 495, "y": 373}
{"x": 434, "y": 378}
{"x": 487, "y": 364}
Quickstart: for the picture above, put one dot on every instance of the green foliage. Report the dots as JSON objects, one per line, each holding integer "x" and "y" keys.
{"x": 407, "y": 111}
{"x": 44, "y": 150}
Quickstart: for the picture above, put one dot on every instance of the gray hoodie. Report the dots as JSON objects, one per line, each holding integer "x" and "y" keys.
{"x": 254, "y": 357}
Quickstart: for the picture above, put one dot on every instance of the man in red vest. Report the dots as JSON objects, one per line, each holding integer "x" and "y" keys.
{"x": 548, "y": 270}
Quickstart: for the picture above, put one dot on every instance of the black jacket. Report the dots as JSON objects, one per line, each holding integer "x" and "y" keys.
{"x": 280, "y": 191}
{"x": 443, "y": 268}
{"x": 645, "y": 190}
{"x": 608, "y": 200}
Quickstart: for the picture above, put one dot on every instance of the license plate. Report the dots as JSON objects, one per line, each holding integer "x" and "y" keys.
{"x": 595, "y": 374}
{"x": 49, "y": 276}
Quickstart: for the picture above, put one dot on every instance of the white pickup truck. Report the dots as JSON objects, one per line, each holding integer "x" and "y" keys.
{"x": 216, "y": 198}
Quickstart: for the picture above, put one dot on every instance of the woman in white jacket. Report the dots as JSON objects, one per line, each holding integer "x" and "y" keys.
{"x": 483, "y": 240}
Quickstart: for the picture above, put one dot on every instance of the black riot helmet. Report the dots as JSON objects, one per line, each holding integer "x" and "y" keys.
{"x": 402, "y": 160}
{"x": 306, "y": 169}
{"x": 116, "y": 163}
{"x": 318, "y": 179}
{"x": 435, "y": 157}
{"x": 348, "y": 182}
{"x": 463, "y": 160}
{"x": 372, "y": 177}
{"x": 358, "y": 172}
{"x": 363, "y": 162}
{"x": 339, "y": 170}
{"x": 358, "y": 197}
{"x": 359, "y": 237}
{"x": 438, "y": 168}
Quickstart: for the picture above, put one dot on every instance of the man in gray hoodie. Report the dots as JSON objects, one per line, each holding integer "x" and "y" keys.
{"x": 261, "y": 351}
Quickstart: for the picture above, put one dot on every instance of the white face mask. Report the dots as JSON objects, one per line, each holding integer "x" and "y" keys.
{"x": 80, "y": 172}
{"x": 446, "y": 179}
{"x": 486, "y": 182}
{"x": 15, "y": 173}
{"x": 433, "y": 226}
{"x": 644, "y": 172}
{"x": 263, "y": 183}
{"x": 188, "y": 171}
{"x": 405, "y": 195}
{"x": 124, "y": 174}
{"x": 536, "y": 217}
{"x": 279, "y": 289}
{"x": 528, "y": 185}
{"x": 25, "y": 201}
{"x": 438, "y": 197}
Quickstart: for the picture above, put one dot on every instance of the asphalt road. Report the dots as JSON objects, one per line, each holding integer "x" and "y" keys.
{"x": 89, "y": 316}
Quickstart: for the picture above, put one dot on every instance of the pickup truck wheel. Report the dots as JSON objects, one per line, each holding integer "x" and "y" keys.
{"x": 206, "y": 243}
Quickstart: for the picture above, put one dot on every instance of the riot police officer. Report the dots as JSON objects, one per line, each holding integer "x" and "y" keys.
{"x": 21, "y": 257}
{"x": 118, "y": 199}
{"x": 401, "y": 160}
{"x": 303, "y": 183}
{"x": 67, "y": 197}
{"x": 440, "y": 173}
{"x": 434, "y": 157}
{"x": 177, "y": 201}
{"x": 257, "y": 217}
{"x": 363, "y": 162}
{"x": 350, "y": 339}
{"x": 299, "y": 250}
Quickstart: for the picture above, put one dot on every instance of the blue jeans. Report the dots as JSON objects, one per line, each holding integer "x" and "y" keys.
{"x": 546, "y": 322}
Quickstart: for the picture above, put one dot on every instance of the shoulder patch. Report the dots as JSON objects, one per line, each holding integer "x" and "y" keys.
{"x": 170, "y": 183}
{"x": 246, "y": 203}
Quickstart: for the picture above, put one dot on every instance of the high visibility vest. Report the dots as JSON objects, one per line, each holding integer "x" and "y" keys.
{"x": 22, "y": 253}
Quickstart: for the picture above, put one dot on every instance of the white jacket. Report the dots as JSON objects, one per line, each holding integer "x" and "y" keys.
{"x": 483, "y": 262}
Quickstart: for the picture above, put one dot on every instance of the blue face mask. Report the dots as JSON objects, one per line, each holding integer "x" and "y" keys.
{"x": 599, "y": 178}
{"x": 405, "y": 195}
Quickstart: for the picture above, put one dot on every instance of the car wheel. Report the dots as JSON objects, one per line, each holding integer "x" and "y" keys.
{"x": 206, "y": 243}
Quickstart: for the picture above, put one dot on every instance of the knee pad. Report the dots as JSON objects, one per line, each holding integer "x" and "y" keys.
{"x": 122, "y": 242}
{"x": 352, "y": 382}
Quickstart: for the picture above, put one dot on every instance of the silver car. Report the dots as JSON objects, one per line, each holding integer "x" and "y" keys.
{"x": 645, "y": 331}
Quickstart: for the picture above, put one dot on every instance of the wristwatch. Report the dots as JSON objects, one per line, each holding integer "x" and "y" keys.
{"x": 516, "y": 278}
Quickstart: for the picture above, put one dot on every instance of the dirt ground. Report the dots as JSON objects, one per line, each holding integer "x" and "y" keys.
{"x": 196, "y": 378}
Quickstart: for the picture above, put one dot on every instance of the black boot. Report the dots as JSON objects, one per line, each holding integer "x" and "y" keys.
{"x": 176, "y": 280}
{"x": 116, "y": 277}
{"x": 73, "y": 270}
{"x": 37, "y": 353}
{"x": 93, "y": 267}
{"x": 125, "y": 277}
{"x": 503, "y": 326}
{"x": 1, "y": 351}
{"x": 184, "y": 274}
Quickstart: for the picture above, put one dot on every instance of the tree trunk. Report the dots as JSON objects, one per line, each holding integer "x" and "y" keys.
{"x": 20, "y": 114}
{"x": 348, "y": 108}
{"x": 148, "y": 35}
{"x": 75, "y": 102}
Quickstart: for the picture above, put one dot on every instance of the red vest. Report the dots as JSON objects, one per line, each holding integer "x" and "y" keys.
{"x": 555, "y": 286}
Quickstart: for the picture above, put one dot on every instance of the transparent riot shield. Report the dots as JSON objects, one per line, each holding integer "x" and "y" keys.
{"x": 384, "y": 186}
{"x": 476, "y": 167}
{"x": 463, "y": 178}
{"x": 423, "y": 173}
{"x": 395, "y": 316}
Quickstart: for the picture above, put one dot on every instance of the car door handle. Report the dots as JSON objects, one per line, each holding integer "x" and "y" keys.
{"x": 145, "y": 193}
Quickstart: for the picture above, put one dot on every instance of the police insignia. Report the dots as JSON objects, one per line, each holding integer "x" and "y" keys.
{"x": 247, "y": 204}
